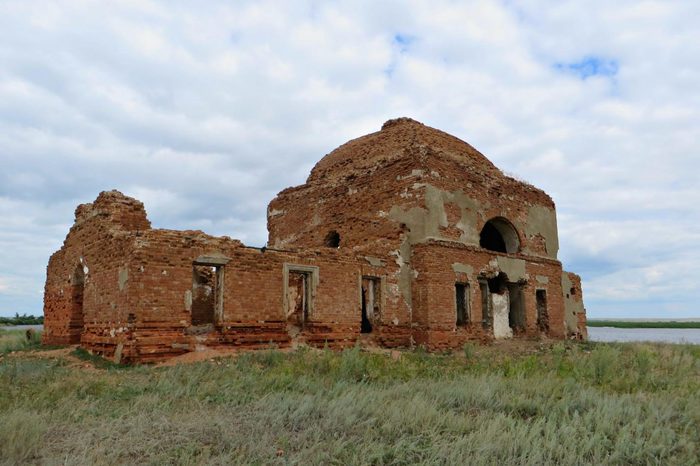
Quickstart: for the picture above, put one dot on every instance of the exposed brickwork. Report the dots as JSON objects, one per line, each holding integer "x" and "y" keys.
{"x": 408, "y": 204}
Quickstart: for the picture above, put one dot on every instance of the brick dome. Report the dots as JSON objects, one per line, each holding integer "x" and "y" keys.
{"x": 398, "y": 138}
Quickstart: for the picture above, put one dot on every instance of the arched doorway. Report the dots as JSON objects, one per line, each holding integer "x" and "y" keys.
{"x": 499, "y": 235}
{"x": 77, "y": 294}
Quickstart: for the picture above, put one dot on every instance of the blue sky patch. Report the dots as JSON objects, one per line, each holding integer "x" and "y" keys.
{"x": 403, "y": 41}
{"x": 590, "y": 66}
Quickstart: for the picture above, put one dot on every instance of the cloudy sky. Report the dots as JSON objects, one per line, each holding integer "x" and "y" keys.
{"x": 205, "y": 110}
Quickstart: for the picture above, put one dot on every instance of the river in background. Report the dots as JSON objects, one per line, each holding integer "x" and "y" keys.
{"x": 662, "y": 335}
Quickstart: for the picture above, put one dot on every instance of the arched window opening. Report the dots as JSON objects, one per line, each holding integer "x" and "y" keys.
{"x": 499, "y": 235}
{"x": 332, "y": 239}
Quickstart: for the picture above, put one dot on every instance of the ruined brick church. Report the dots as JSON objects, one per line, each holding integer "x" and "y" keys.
{"x": 406, "y": 236}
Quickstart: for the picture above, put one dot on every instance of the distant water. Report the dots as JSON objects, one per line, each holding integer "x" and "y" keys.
{"x": 664, "y": 335}
{"x": 21, "y": 327}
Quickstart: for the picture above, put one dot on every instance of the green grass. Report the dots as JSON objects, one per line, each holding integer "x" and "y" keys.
{"x": 629, "y": 324}
{"x": 571, "y": 403}
{"x": 16, "y": 340}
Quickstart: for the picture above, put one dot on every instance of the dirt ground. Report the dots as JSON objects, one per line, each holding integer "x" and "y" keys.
{"x": 498, "y": 350}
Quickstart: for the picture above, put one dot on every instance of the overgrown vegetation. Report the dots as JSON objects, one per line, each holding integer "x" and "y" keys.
{"x": 23, "y": 319}
{"x": 567, "y": 403}
{"x": 643, "y": 324}
{"x": 17, "y": 340}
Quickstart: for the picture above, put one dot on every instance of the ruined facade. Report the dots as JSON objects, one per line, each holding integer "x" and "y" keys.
{"x": 407, "y": 236}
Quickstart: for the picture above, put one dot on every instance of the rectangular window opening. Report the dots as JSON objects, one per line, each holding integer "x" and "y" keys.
{"x": 462, "y": 303}
{"x": 371, "y": 303}
{"x": 542, "y": 313}
{"x": 516, "y": 314}
{"x": 485, "y": 304}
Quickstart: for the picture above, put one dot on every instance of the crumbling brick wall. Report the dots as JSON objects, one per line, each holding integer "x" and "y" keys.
{"x": 97, "y": 249}
{"x": 400, "y": 211}
{"x": 441, "y": 265}
{"x": 140, "y": 290}
{"x": 574, "y": 311}
{"x": 408, "y": 178}
{"x": 253, "y": 299}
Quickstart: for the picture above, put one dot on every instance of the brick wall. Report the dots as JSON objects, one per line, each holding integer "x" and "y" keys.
{"x": 97, "y": 248}
{"x": 439, "y": 265}
{"x": 407, "y": 203}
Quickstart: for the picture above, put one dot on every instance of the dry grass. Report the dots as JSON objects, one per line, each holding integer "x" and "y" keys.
{"x": 16, "y": 340}
{"x": 565, "y": 403}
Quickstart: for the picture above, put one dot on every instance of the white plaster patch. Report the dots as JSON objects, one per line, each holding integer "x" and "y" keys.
{"x": 123, "y": 277}
{"x": 374, "y": 261}
{"x": 514, "y": 268}
{"x": 501, "y": 305}
{"x": 188, "y": 300}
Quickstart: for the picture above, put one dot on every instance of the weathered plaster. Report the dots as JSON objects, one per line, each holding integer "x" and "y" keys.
{"x": 501, "y": 306}
{"x": 572, "y": 306}
{"x": 514, "y": 268}
{"x": 425, "y": 223}
{"x": 403, "y": 260}
{"x": 374, "y": 261}
{"x": 542, "y": 279}
{"x": 542, "y": 221}
{"x": 188, "y": 300}
{"x": 123, "y": 277}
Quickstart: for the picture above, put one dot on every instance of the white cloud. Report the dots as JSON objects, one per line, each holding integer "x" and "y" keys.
{"x": 205, "y": 112}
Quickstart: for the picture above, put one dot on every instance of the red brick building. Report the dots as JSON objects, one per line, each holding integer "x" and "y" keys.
{"x": 404, "y": 236}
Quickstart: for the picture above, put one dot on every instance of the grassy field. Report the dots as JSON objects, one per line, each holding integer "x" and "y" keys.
{"x": 535, "y": 403}
{"x": 12, "y": 340}
{"x": 643, "y": 324}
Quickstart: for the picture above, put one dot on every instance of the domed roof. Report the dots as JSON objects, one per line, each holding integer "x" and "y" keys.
{"x": 398, "y": 138}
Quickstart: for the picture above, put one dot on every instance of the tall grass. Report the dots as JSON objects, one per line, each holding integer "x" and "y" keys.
{"x": 569, "y": 404}
{"x": 16, "y": 340}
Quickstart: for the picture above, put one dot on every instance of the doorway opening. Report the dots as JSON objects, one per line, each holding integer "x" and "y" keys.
{"x": 503, "y": 305}
{"x": 300, "y": 282}
{"x": 298, "y": 292}
{"x": 207, "y": 294}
